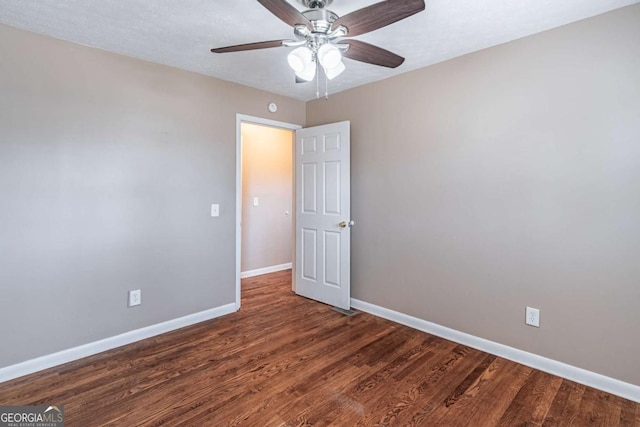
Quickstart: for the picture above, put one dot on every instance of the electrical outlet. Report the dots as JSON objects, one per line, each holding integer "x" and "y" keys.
{"x": 135, "y": 298}
{"x": 533, "y": 317}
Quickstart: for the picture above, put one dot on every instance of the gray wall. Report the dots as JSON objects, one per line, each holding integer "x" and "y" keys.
{"x": 108, "y": 167}
{"x": 267, "y": 173}
{"x": 505, "y": 178}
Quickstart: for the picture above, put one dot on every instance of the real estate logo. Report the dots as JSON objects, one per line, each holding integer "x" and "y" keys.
{"x": 31, "y": 416}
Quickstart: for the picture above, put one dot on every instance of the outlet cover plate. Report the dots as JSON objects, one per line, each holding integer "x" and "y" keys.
{"x": 135, "y": 298}
{"x": 533, "y": 317}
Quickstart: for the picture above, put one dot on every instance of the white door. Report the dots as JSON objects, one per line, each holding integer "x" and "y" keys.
{"x": 323, "y": 214}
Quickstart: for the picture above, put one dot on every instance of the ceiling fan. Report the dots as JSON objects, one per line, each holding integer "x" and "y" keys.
{"x": 320, "y": 35}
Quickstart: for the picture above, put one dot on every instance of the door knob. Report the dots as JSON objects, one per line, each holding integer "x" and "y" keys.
{"x": 345, "y": 224}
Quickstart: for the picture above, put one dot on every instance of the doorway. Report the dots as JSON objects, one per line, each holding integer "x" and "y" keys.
{"x": 264, "y": 197}
{"x": 267, "y": 199}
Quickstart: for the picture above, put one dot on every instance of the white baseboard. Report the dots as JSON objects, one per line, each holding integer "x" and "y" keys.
{"x": 573, "y": 373}
{"x": 69, "y": 355}
{"x": 265, "y": 270}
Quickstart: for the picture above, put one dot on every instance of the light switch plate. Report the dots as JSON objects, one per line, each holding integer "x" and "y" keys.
{"x": 215, "y": 210}
{"x": 256, "y": 201}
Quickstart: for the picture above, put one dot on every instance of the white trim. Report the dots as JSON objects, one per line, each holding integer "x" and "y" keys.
{"x": 240, "y": 118}
{"x": 69, "y": 355}
{"x": 265, "y": 270}
{"x": 573, "y": 373}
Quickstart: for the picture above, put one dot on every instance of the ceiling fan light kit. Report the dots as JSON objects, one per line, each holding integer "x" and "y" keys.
{"x": 334, "y": 72}
{"x": 329, "y": 56}
{"x": 320, "y": 33}
{"x": 299, "y": 58}
{"x": 308, "y": 70}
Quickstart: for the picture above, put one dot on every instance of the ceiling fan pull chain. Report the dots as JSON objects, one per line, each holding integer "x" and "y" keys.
{"x": 317, "y": 80}
{"x": 326, "y": 86}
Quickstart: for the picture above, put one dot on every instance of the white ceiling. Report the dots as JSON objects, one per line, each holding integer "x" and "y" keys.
{"x": 181, "y": 33}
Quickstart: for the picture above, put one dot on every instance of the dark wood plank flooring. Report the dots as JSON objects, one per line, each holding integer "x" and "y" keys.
{"x": 284, "y": 360}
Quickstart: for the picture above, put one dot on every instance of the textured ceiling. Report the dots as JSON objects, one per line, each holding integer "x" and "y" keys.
{"x": 181, "y": 33}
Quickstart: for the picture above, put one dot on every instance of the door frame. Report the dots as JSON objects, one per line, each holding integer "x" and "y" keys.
{"x": 243, "y": 118}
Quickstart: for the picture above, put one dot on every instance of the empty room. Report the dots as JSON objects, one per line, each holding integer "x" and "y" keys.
{"x": 319, "y": 212}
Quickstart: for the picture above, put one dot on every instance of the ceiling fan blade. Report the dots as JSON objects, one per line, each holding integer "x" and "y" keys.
{"x": 249, "y": 46}
{"x": 378, "y": 15}
{"x": 287, "y": 13}
{"x": 365, "y": 52}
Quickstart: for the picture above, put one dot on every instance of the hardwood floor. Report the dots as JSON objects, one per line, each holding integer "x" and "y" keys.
{"x": 286, "y": 360}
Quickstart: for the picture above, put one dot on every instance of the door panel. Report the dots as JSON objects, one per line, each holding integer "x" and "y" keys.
{"x": 332, "y": 188}
{"x": 322, "y": 261}
{"x": 309, "y": 188}
{"x": 332, "y": 254}
{"x": 309, "y": 257}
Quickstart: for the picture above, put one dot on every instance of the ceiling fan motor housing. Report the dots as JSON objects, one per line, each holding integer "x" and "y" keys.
{"x": 316, "y": 4}
{"x": 321, "y": 19}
